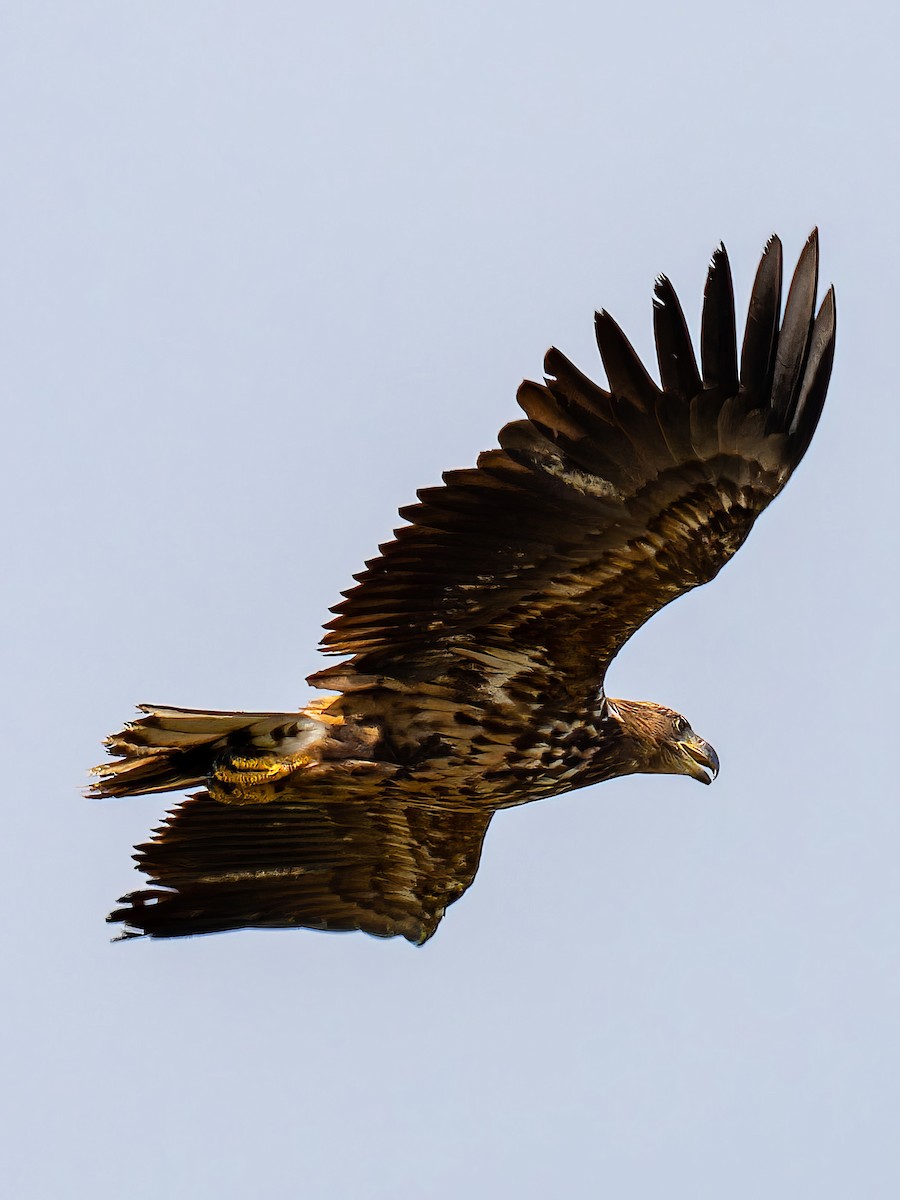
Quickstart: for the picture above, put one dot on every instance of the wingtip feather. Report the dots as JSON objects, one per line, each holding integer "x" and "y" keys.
{"x": 718, "y": 336}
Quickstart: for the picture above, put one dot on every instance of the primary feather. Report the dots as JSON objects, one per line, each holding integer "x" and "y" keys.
{"x": 479, "y": 639}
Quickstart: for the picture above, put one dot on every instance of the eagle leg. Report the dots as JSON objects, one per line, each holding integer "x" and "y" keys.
{"x": 247, "y": 779}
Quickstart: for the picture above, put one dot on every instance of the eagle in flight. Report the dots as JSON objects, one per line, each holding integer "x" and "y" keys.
{"x": 476, "y": 644}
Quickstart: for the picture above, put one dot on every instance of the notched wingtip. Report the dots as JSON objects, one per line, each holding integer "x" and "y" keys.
{"x": 718, "y": 258}
{"x": 662, "y": 291}
{"x": 809, "y": 258}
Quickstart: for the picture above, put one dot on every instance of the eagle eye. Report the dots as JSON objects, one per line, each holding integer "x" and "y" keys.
{"x": 681, "y": 725}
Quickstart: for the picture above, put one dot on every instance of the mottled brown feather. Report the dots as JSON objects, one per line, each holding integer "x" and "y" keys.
{"x": 389, "y": 869}
{"x": 481, "y": 635}
{"x": 599, "y": 467}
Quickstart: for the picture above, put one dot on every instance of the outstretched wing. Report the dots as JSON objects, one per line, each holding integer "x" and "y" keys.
{"x": 379, "y": 865}
{"x": 602, "y": 506}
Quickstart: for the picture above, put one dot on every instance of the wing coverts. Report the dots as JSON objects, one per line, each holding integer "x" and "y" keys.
{"x": 480, "y": 636}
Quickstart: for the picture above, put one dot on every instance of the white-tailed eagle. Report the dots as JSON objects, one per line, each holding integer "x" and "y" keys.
{"x": 476, "y": 644}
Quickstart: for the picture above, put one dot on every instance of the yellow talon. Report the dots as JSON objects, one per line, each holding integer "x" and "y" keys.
{"x": 241, "y": 780}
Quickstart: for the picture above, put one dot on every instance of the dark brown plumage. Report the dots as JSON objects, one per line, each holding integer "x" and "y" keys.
{"x": 479, "y": 639}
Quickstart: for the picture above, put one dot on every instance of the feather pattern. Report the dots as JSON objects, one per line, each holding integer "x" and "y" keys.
{"x": 476, "y": 643}
{"x": 332, "y": 866}
{"x": 573, "y": 489}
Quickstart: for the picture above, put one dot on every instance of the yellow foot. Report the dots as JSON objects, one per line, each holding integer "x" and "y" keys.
{"x": 238, "y": 779}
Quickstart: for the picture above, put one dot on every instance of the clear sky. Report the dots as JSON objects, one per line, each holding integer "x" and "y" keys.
{"x": 267, "y": 268}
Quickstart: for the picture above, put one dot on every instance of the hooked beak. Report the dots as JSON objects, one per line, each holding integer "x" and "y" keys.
{"x": 700, "y": 758}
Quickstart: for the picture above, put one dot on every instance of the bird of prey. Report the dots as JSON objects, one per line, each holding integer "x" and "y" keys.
{"x": 475, "y": 645}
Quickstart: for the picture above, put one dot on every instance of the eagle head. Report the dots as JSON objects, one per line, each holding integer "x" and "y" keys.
{"x": 661, "y": 741}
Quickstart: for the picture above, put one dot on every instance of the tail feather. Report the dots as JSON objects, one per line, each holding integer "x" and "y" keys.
{"x": 169, "y": 749}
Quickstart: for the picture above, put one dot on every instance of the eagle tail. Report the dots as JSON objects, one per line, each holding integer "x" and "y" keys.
{"x": 170, "y": 749}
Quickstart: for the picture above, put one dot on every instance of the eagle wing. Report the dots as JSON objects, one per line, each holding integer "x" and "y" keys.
{"x": 603, "y": 505}
{"x": 533, "y": 568}
{"x": 380, "y": 864}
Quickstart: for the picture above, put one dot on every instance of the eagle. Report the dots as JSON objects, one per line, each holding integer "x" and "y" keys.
{"x": 474, "y": 647}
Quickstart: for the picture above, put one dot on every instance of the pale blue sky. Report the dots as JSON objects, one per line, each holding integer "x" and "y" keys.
{"x": 267, "y": 268}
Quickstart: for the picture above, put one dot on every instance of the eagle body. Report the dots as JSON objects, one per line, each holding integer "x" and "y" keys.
{"x": 475, "y": 646}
